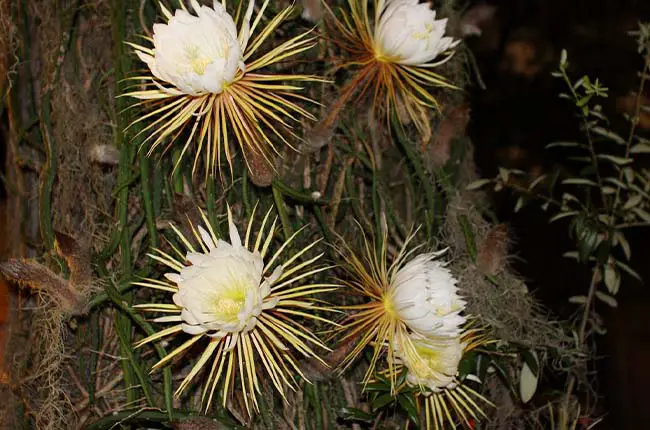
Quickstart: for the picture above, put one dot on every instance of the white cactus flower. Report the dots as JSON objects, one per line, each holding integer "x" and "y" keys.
{"x": 239, "y": 299}
{"x": 207, "y": 79}
{"x": 197, "y": 54}
{"x": 408, "y": 33}
{"x": 432, "y": 362}
{"x": 423, "y": 295}
{"x": 223, "y": 291}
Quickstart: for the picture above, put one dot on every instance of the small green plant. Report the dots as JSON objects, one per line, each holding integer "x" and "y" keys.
{"x": 607, "y": 195}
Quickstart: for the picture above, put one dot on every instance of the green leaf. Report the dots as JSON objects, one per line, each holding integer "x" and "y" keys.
{"x": 563, "y": 59}
{"x": 528, "y": 377}
{"x": 609, "y": 190}
{"x": 376, "y": 386}
{"x": 504, "y": 174}
{"x": 644, "y": 215}
{"x": 632, "y": 201}
{"x": 627, "y": 269}
{"x": 383, "y": 379}
{"x": 619, "y": 238}
{"x": 519, "y": 205}
{"x": 640, "y": 190}
{"x": 620, "y": 161}
{"x": 382, "y": 401}
{"x": 356, "y": 414}
{"x": 583, "y": 101}
{"x": 588, "y": 236}
{"x": 468, "y": 364}
{"x": 482, "y": 364}
{"x": 562, "y": 215}
{"x": 571, "y": 254}
{"x": 640, "y": 148}
{"x": 579, "y": 181}
{"x": 616, "y": 182}
{"x": 609, "y": 135}
{"x": 475, "y": 185}
{"x": 578, "y": 300}
{"x": 407, "y": 402}
{"x": 607, "y": 299}
{"x": 401, "y": 378}
{"x": 537, "y": 180}
{"x": 612, "y": 279}
{"x": 570, "y": 198}
{"x": 563, "y": 145}
{"x": 597, "y": 113}
{"x": 530, "y": 358}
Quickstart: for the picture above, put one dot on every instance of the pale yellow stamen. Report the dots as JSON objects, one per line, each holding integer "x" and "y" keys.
{"x": 228, "y": 304}
{"x": 198, "y": 62}
{"x": 389, "y": 307}
{"x": 424, "y": 362}
{"x": 428, "y": 29}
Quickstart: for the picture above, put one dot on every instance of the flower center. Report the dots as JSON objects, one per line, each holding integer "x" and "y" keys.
{"x": 425, "y": 361}
{"x": 389, "y": 306}
{"x": 199, "y": 61}
{"x": 423, "y": 35}
{"x": 227, "y": 305}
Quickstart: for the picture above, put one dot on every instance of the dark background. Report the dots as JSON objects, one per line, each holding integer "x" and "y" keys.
{"x": 515, "y": 117}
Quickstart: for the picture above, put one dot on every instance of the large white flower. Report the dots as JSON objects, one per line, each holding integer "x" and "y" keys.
{"x": 244, "y": 299}
{"x": 223, "y": 291}
{"x": 432, "y": 362}
{"x": 413, "y": 316}
{"x": 198, "y": 54}
{"x": 208, "y": 80}
{"x": 423, "y": 295}
{"x": 407, "y": 32}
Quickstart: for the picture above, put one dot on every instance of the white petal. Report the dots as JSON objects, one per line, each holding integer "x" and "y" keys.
{"x": 277, "y": 272}
{"x": 207, "y": 239}
{"x": 174, "y": 277}
{"x": 172, "y": 318}
{"x": 408, "y": 32}
{"x": 193, "y": 329}
{"x": 424, "y": 294}
{"x": 195, "y": 54}
{"x": 235, "y": 241}
{"x": 244, "y": 33}
{"x": 270, "y": 303}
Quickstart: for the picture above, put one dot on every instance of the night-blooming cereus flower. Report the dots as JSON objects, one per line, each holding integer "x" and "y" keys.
{"x": 197, "y": 54}
{"x": 433, "y": 362}
{"x": 223, "y": 292}
{"x": 206, "y": 78}
{"x": 243, "y": 301}
{"x": 394, "y": 55}
{"x": 432, "y": 365}
{"x": 408, "y": 295}
{"x": 408, "y": 32}
{"x": 423, "y": 294}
